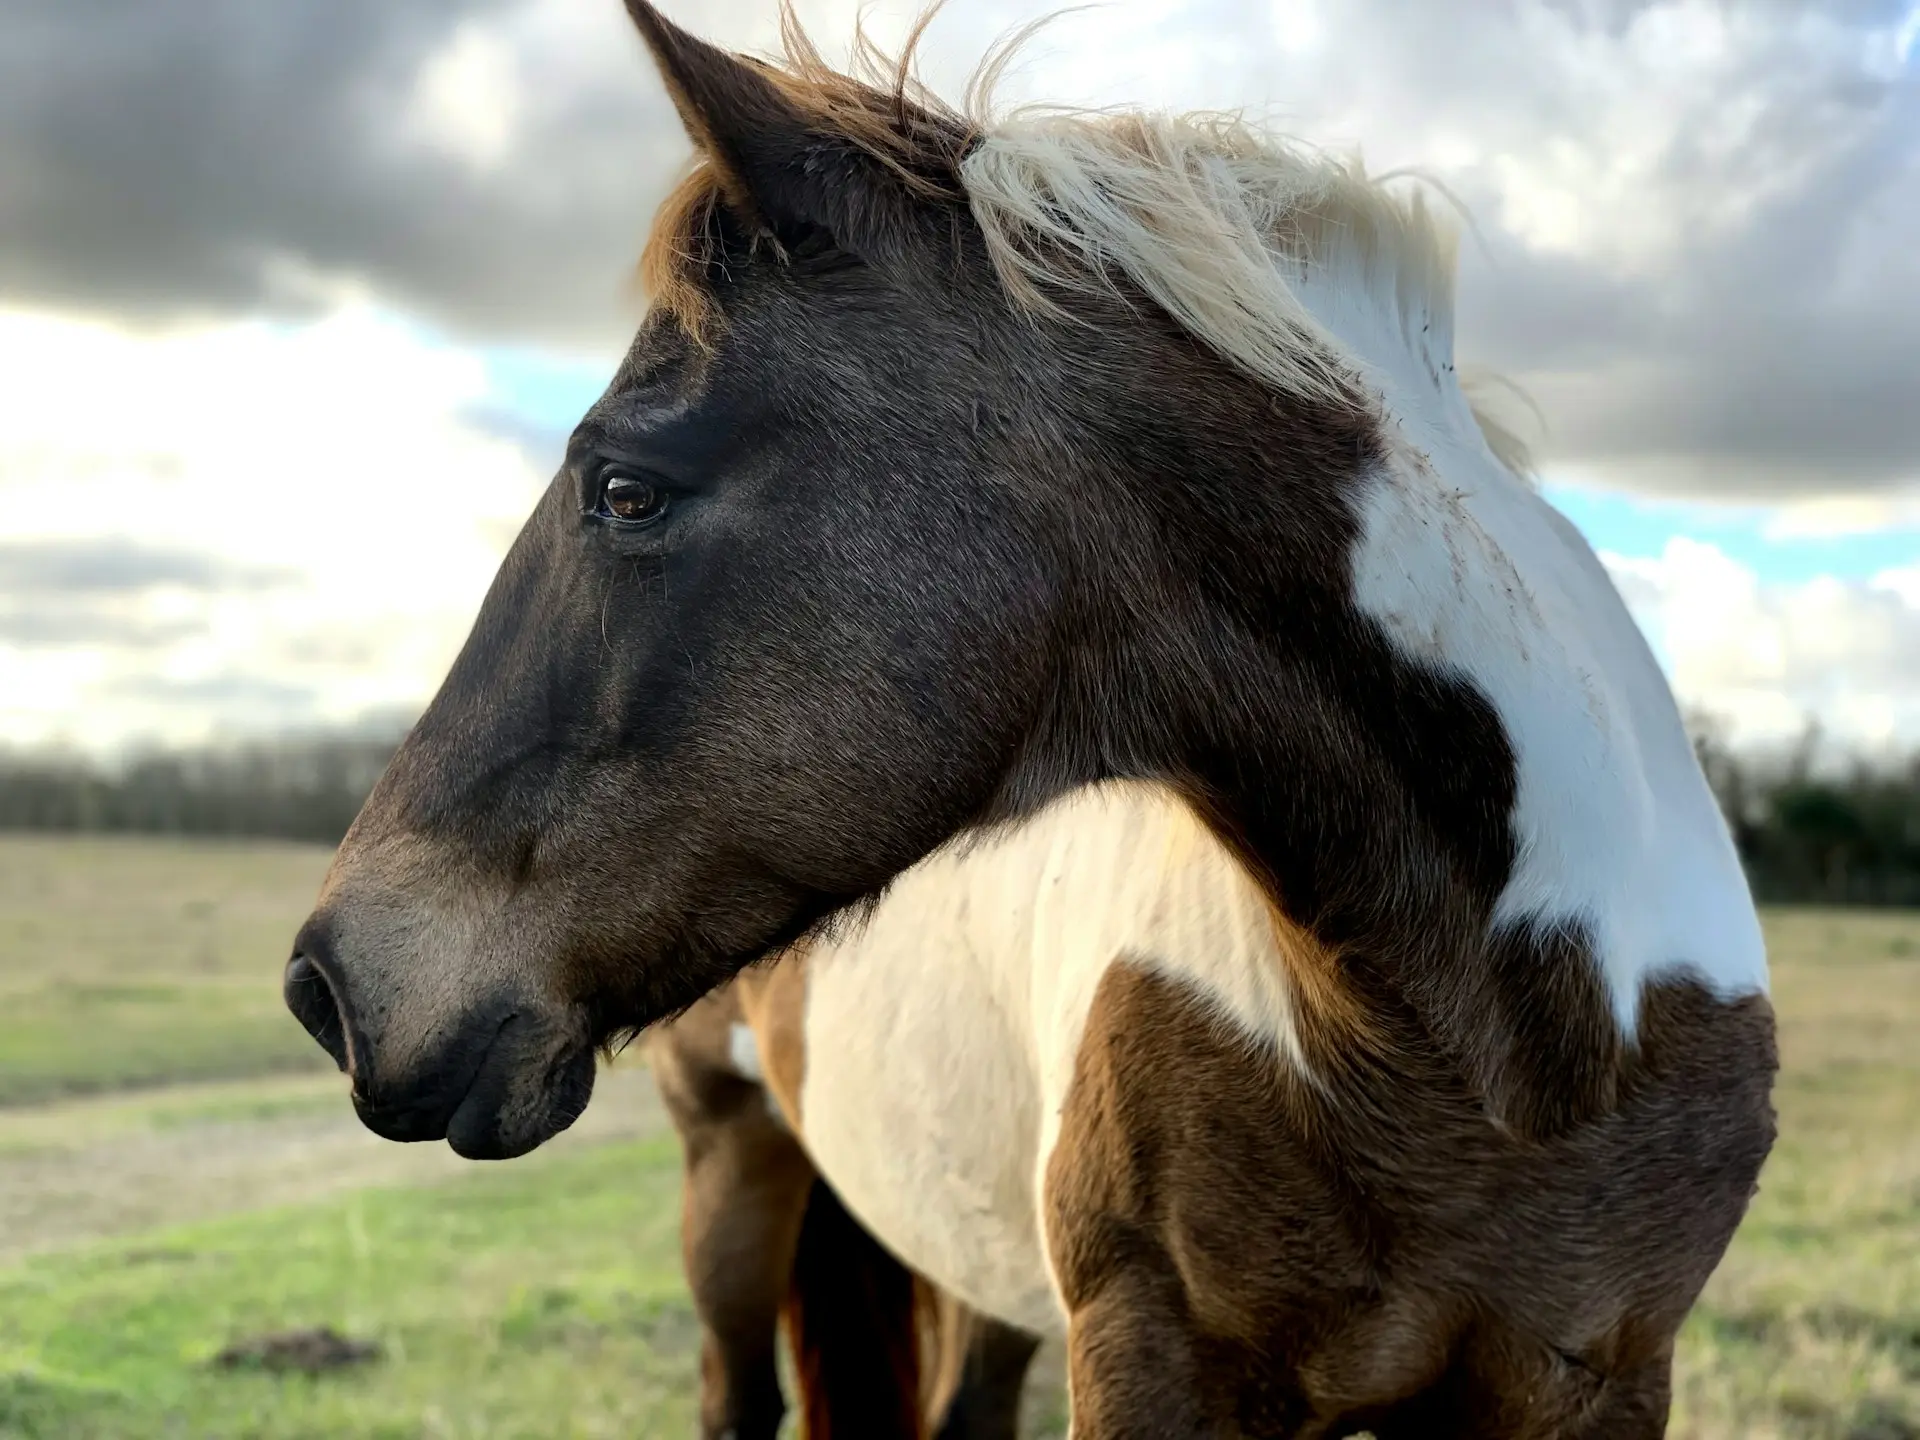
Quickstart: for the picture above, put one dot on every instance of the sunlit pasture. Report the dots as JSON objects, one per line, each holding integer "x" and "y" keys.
{"x": 179, "y": 1171}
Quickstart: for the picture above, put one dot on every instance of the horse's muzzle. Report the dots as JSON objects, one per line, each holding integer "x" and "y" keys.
{"x": 494, "y": 1083}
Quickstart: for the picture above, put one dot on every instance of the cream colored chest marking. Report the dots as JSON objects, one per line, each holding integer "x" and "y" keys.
{"x": 941, "y": 1036}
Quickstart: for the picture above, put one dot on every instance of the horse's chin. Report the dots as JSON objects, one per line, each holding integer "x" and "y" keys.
{"x": 498, "y": 1121}
{"x": 527, "y": 1088}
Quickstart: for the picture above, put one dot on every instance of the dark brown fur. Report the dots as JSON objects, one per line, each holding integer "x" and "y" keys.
{"x": 743, "y": 1203}
{"x": 1244, "y": 1254}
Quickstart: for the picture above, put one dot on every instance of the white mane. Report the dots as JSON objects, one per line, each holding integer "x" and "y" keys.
{"x": 1212, "y": 219}
{"x": 1223, "y": 226}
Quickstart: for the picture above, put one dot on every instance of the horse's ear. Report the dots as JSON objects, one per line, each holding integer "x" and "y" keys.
{"x": 782, "y": 167}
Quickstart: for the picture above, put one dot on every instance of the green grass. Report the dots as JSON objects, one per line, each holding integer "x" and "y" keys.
{"x": 94, "y": 1120}
{"x": 543, "y": 1298}
{"x": 537, "y": 1299}
{"x": 127, "y": 962}
{"x": 1811, "y": 1327}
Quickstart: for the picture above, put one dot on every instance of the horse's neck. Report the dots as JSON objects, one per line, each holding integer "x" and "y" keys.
{"x": 1455, "y": 760}
{"x": 1370, "y": 775}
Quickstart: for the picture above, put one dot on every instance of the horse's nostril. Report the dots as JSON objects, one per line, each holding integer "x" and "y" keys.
{"x": 310, "y": 996}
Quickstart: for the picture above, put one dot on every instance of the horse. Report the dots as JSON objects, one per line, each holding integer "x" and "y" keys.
{"x": 1259, "y": 913}
{"x": 768, "y": 1246}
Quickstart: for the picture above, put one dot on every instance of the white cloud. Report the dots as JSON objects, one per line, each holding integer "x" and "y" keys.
{"x": 466, "y": 100}
{"x": 1299, "y": 27}
{"x": 1671, "y": 112}
{"x": 1834, "y": 515}
{"x": 333, "y": 456}
{"x": 1903, "y": 581}
{"x": 1768, "y": 656}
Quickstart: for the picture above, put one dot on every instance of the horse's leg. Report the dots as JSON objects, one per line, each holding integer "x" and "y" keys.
{"x": 990, "y": 1363}
{"x": 1133, "y": 1369}
{"x": 1633, "y": 1406}
{"x": 747, "y": 1183}
{"x": 1508, "y": 1388}
{"x": 1192, "y": 1252}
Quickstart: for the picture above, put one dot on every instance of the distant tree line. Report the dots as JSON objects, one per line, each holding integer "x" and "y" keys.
{"x": 304, "y": 788}
{"x": 1810, "y": 826}
{"x": 1815, "y": 826}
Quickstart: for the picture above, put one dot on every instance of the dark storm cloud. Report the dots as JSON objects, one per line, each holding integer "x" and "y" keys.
{"x": 1777, "y": 357}
{"x": 1766, "y": 346}
{"x": 161, "y": 159}
{"x": 156, "y": 159}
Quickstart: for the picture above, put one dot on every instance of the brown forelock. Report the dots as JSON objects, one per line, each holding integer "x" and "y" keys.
{"x": 1364, "y": 1249}
{"x": 680, "y": 247}
{"x": 881, "y": 109}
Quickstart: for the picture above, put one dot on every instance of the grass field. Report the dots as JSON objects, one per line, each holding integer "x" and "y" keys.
{"x": 174, "y": 1177}
{"x": 127, "y": 962}
{"x": 1811, "y": 1327}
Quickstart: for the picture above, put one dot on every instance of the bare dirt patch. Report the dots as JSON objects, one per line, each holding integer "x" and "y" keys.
{"x": 310, "y": 1352}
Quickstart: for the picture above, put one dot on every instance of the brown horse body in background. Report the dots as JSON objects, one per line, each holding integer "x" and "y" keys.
{"x": 878, "y": 1350}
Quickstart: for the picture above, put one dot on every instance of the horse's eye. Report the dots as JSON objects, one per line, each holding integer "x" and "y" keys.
{"x": 630, "y": 499}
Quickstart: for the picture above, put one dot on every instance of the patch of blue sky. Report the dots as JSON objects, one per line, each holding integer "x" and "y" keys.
{"x": 543, "y": 388}
{"x": 1639, "y": 527}
{"x": 534, "y": 398}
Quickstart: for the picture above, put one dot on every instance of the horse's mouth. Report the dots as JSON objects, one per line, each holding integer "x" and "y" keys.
{"x": 517, "y": 1089}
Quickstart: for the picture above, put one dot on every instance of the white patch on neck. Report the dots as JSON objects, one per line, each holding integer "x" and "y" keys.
{"x": 1472, "y": 573}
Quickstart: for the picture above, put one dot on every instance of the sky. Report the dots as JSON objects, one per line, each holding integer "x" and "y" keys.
{"x": 299, "y": 301}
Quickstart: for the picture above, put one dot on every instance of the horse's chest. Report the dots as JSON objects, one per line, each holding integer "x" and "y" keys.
{"x": 943, "y": 1036}
{"x": 922, "y": 1110}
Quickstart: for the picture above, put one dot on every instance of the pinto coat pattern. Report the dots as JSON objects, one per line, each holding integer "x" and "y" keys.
{"x": 983, "y": 494}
